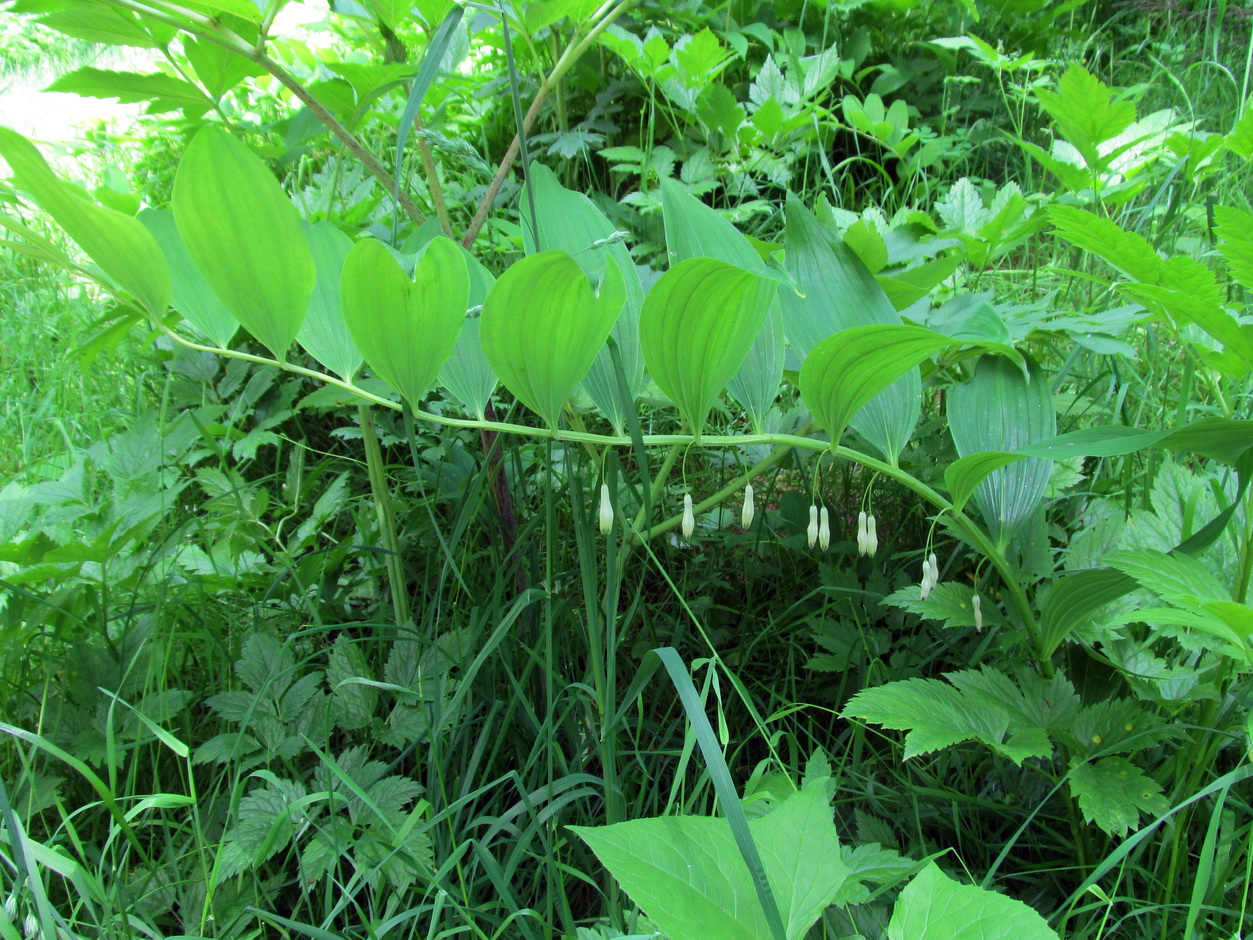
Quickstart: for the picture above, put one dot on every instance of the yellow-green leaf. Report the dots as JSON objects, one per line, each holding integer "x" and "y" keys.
{"x": 244, "y": 235}
{"x": 405, "y": 328}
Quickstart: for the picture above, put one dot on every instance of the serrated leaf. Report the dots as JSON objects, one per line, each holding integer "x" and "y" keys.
{"x": 543, "y": 326}
{"x": 352, "y": 703}
{"x": 934, "y": 907}
{"x": 123, "y": 248}
{"x": 1128, "y": 252}
{"x": 938, "y": 715}
{"x": 266, "y": 664}
{"x": 129, "y": 87}
{"x": 1235, "y": 228}
{"x": 1085, "y": 113}
{"x": 1113, "y": 792}
{"x": 948, "y": 601}
{"x": 696, "y": 327}
{"x": 405, "y": 328}
{"x": 244, "y": 235}
{"x": 264, "y": 825}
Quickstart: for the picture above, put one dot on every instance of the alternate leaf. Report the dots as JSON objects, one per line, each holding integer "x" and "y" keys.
{"x": 324, "y": 333}
{"x": 1235, "y": 228}
{"x": 934, "y": 907}
{"x": 405, "y": 328}
{"x": 1085, "y": 112}
{"x": 696, "y": 327}
{"x": 119, "y": 244}
{"x": 191, "y": 294}
{"x": 543, "y": 326}
{"x": 245, "y": 237}
{"x": 131, "y": 87}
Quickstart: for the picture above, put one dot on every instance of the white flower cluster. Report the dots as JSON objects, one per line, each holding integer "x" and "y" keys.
{"x": 819, "y": 530}
{"x": 867, "y": 534}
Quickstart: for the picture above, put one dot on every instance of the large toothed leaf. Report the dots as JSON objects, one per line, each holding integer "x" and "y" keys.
{"x": 844, "y": 372}
{"x": 324, "y": 334}
{"x": 192, "y": 296}
{"x": 125, "y": 251}
{"x": 841, "y": 293}
{"x": 694, "y": 230}
{"x": 569, "y": 221}
{"x": 697, "y": 326}
{"x": 245, "y": 236}
{"x": 543, "y": 325}
{"x": 405, "y": 327}
{"x": 1000, "y": 409}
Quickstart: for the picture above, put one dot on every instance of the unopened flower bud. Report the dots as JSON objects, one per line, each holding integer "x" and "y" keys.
{"x": 606, "y": 510}
{"x": 824, "y": 529}
{"x": 976, "y": 604}
{"x": 862, "y": 531}
{"x": 746, "y": 515}
{"x": 935, "y": 570}
{"x": 689, "y": 517}
{"x": 812, "y": 531}
{"x": 872, "y": 536}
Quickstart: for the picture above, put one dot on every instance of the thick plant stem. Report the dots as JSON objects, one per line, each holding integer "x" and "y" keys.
{"x": 603, "y": 17}
{"x": 381, "y": 496}
{"x": 503, "y": 498}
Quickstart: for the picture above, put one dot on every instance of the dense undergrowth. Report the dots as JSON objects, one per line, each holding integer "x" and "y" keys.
{"x": 294, "y": 647}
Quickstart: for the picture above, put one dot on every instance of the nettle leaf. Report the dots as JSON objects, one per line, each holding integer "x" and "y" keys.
{"x": 543, "y": 326}
{"x": 1235, "y": 228}
{"x": 131, "y": 87}
{"x": 266, "y": 664}
{"x": 352, "y": 702}
{"x": 406, "y": 328}
{"x": 265, "y": 824}
{"x": 840, "y": 293}
{"x": 191, "y": 295}
{"x": 845, "y": 371}
{"x": 934, "y": 907}
{"x": 1085, "y": 113}
{"x": 938, "y": 715}
{"x": 696, "y": 327}
{"x": 999, "y": 409}
{"x": 245, "y": 237}
{"x": 687, "y": 875}
{"x": 1113, "y": 792}
{"x": 324, "y": 334}
{"x": 119, "y": 244}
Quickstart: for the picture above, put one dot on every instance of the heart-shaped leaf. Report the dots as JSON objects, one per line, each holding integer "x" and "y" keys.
{"x": 848, "y": 369}
{"x": 696, "y": 327}
{"x": 192, "y": 296}
{"x": 543, "y": 326}
{"x": 245, "y": 237}
{"x": 405, "y": 328}
{"x": 124, "y": 249}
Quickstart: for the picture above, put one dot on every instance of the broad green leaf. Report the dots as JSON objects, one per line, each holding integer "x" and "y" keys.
{"x": 844, "y": 372}
{"x": 934, "y": 907}
{"x": 405, "y": 328}
{"x": 1128, "y": 252}
{"x": 192, "y": 296}
{"x": 245, "y": 237}
{"x": 697, "y": 325}
{"x": 1235, "y": 228}
{"x": 963, "y": 475}
{"x": 324, "y": 333}
{"x": 570, "y": 222}
{"x": 218, "y": 68}
{"x": 938, "y": 715}
{"x": 130, "y": 87}
{"x": 1113, "y": 792}
{"x": 687, "y": 875}
{"x": 467, "y": 374}
{"x": 694, "y": 230}
{"x": 119, "y": 244}
{"x": 543, "y": 325}
{"x": 1000, "y": 409}
{"x": 1085, "y": 112}
{"x": 1177, "y": 578}
{"x": 840, "y": 293}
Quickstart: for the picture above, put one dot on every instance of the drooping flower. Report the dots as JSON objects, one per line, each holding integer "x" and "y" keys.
{"x": 606, "y": 510}
{"x": 862, "y": 533}
{"x": 824, "y": 529}
{"x": 689, "y": 517}
{"x": 812, "y": 531}
{"x": 976, "y": 604}
{"x": 872, "y": 536}
{"x": 746, "y": 514}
